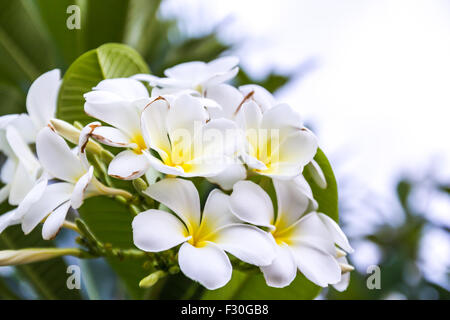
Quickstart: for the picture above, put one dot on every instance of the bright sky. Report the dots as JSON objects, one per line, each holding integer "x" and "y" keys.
{"x": 380, "y": 97}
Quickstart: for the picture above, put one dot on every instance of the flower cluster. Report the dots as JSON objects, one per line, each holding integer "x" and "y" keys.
{"x": 192, "y": 126}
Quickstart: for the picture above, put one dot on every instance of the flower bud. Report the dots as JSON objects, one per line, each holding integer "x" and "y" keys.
{"x": 24, "y": 256}
{"x": 72, "y": 134}
{"x": 317, "y": 174}
{"x": 152, "y": 279}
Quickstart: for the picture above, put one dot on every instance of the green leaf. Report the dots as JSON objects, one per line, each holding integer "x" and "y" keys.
{"x": 327, "y": 198}
{"x": 47, "y": 278}
{"x": 108, "y": 61}
{"x": 110, "y": 221}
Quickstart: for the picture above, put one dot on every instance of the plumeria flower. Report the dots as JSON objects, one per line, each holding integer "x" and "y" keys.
{"x": 204, "y": 237}
{"x": 119, "y": 102}
{"x": 186, "y": 141}
{"x": 260, "y": 95}
{"x": 277, "y": 144}
{"x": 21, "y": 168}
{"x": 304, "y": 241}
{"x": 194, "y": 76}
{"x": 52, "y": 202}
{"x": 17, "y": 131}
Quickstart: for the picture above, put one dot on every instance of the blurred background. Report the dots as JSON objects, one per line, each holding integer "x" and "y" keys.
{"x": 371, "y": 78}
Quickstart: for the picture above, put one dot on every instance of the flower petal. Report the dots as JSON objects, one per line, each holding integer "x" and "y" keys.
{"x": 154, "y": 128}
{"x": 250, "y": 203}
{"x": 22, "y": 150}
{"x": 4, "y": 192}
{"x": 8, "y": 219}
{"x": 155, "y": 231}
{"x": 230, "y": 176}
{"x": 180, "y": 196}
{"x": 283, "y": 269}
{"x": 338, "y": 236}
{"x": 342, "y": 285}
{"x": 55, "y": 195}
{"x": 57, "y": 158}
{"x": 55, "y": 221}
{"x": 318, "y": 266}
{"x": 292, "y": 202}
{"x": 127, "y": 88}
{"x": 310, "y": 230}
{"x": 229, "y": 99}
{"x": 42, "y": 97}
{"x": 112, "y": 137}
{"x": 32, "y": 196}
{"x": 208, "y": 265}
{"x": 247, "y": 243}
{"x": 128, "y": 165}
{"x": 22, "y": 183}
{"x": 82, "y": 184}
{"x": 283, "y": 118}
{"x": 216, "y": 213}
{"x": 261, "y": 96}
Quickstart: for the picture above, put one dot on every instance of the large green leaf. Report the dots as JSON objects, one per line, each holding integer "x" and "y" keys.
{"x": 110, "y": 221}
{"x": 48, "y": 278}
{"x": 108, "y": 61}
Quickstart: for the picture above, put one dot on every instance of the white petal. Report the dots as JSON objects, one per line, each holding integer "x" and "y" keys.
{"x": 317, "y": 174}
{"x": 81, "y": 186}
{"x": 183, "y": 115}
{"x": 208, "y": 265}
{"x": 8, "y": 219}
{"x": 4, "y": 192}
{"x": 292, "y": 202}
{"x": 9, "y": 169}
{"x": 154, "y": 128}
{"x": 57, "y": 158}
{"x": 217, "y": 213}
{"x": 22, "y": 150}
{"x": 223, "y": 64}
{"x": 155, "y": 231}
{"x": 260, "y": 95}
{"x": 283, "y": 269}
{"x": 338, "y": 236}
{"x": 318, "y": 266}
{"x": 180, "y": 196}
{"x": 112, "y": 137}
{"x": 127, "y": 88}
{"x": 230, "y": 176}
{"x": 283, "y": 118}
{"x": 112, "y": 109}
{"x": 28, "y": 130}
{"x": 32, "y": 197}
{"x": 55, "y": 195}
{"x": 187, "y": 70}
{"x": 342, "y": 285}
{"x": 158, "y": 165}
{"x": 247, "y": 243}
{"x": 55, "y": 221}
{"x": 221, "y": 78}
{"x": 42, "y": 97}
{"x": 250, "y": 203}
{"x": 298, "y": 149}
{"x": 229, "y": 99}
{"x": 22, "y": 183}
{"x": 128, "y": 165}
{"x": 311, "y": 230}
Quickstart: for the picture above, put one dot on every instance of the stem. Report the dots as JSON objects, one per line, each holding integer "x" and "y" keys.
{"x": 71, "y": 226}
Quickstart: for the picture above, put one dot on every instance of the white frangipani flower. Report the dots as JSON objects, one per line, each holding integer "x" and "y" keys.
{"x": 277, "y": 143}
{"x": 204, "y": 238}
{"x": 52, "y": 201}
{"x": 17, "y": 131}
{"x": 195, "y": 76}
{"x": 306, "y": 242}
{"x": 188, "y": 144}
{"x": 260, "y": 95}
{"x": 119, "y": 102}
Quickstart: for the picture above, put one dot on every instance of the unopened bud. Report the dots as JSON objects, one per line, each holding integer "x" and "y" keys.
{"x": 340, "y": 253}
{"x": 24, "y": 256}
{"x": 72, "y": 134}
{"x": 152, "y": 279}
{"x": 346, "y": 267}
{"x": 317, "y": 174}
